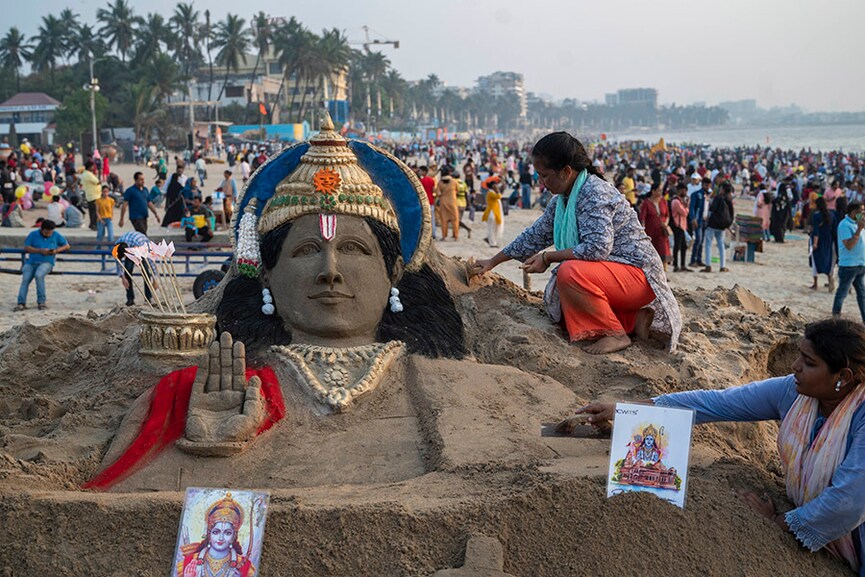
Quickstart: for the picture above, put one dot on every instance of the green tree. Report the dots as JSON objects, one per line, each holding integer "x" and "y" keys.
{"x": 49, "y": 46}
{"x": 154, "y": 37}
{"x": 69, "y": 25}
{"x": 232, "y": 41}
{"x": 119, "y": 26}
{"x": 262, "y": 37}
{"x": 73, "y": 115}
{"x": 291, "y": 43}
{"x": 85, "y": 42}
{"x": 163, "y": 73}
{"x": 14, "y": 50}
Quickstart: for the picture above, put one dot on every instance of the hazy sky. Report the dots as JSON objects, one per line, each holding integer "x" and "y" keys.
{"x": 777, "y": 51}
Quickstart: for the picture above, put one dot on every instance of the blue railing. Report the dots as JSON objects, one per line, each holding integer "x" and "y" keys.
{"x": 189, "y": 258}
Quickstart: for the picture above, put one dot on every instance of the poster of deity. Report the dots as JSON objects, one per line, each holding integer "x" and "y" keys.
{"x": 221, "y": 533}
{"x": 649, "y": 451}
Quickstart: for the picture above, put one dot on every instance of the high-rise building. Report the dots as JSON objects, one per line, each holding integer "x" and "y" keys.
{"x": 500, "y": 83}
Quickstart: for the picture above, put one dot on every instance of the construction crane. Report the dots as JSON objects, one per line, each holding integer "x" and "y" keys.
{"x": 374, "y": 41}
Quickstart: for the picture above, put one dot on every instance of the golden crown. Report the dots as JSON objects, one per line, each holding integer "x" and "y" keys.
{"x": 226, "y": 510}
{"x": 327, "y": 180}
{"x": 650, "y": 430}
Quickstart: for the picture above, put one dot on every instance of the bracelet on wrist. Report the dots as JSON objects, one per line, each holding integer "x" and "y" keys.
{"x": 544, "y": 258}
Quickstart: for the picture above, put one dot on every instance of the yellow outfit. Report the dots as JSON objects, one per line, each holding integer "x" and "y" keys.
{"x": 104, "y": 208}
{"x": 629, "y": 186}
{"x": 494, "y": 205}
{"x": 92, "y": 186}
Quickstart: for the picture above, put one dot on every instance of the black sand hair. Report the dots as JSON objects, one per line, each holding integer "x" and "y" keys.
{"x": 429, "y": 323}
{"x": 840, "y": 343}
{"x": 560, "y": 149}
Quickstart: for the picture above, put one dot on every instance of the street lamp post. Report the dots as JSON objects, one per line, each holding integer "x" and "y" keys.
{"x": 94, "y": 88}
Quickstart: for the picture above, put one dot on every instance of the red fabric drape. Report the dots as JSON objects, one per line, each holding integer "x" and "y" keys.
{"x": 166, "y": 421}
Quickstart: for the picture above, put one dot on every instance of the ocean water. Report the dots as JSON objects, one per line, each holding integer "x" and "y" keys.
{"x": 849, "y": 138}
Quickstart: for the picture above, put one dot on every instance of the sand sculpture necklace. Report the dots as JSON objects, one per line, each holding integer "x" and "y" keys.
{"x": 215, "y": 567}
{"x": 338, "y": 376}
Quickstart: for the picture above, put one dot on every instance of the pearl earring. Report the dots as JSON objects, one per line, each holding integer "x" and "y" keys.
{"x": 267, "y": 308}
{"x": 395, "y": 303}
{"x": 838, "y": 386}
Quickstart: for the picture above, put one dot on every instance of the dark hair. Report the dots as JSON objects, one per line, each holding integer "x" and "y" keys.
{"x": 726, "y": 187}
{"x": 841, "y": 205}
{"x": 824, "y": 211}
{"x": 89, "y": 164}
{"x": 47, "y": 224}
{"x": 840, "y": 343}
{"x": 137, "y": 174}
{"x": 560, "y": 149}
{"x": 852, "y": 207}
{"x": 706, "y": 180}
{"x": 429, "y": 323}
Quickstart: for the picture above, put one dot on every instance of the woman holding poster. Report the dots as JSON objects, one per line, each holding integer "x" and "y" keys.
{"x": 821, "y": 440}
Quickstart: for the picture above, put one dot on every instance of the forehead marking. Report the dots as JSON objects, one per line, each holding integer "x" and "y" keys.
{"x": 327, "y": 225}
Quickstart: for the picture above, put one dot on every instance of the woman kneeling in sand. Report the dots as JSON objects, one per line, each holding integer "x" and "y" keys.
{"x": 821, "y": 440}
{"x": 610, "y": 283}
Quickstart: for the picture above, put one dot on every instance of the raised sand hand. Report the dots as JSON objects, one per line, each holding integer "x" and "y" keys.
{"x": 225, "y": 410}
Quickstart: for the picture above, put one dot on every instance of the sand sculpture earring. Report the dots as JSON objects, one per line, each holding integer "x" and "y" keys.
{"x": 838, "y": 386}
{"x": 267, "y": 308}
{"x": 395, "y": 303}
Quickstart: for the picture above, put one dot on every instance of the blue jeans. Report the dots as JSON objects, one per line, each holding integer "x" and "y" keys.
{"x": 718, "y": 235}
{"x": 105, "y": 226}
{"x": 526, "y": 189}
{"x": 28, "y": 273}
{"x": 850, "y": 275}
{"x": 697, "y": 249}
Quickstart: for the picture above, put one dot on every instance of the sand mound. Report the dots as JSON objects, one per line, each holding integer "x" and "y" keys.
{"x": 65, "y": 388}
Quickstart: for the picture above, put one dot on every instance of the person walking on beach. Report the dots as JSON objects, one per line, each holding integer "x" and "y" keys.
{"x": 679, "y": 222}
{"x": 92, "y": 190}
{"x": 105, "y": 214}
{"x": 446, "y": 193}
{"x": 429, "y": 185}
{"x": 137, "y": 198}
{"x": 823, "y": 243}
{"x": 721, "y": 215}
{"x": 655, "y": 216}
{"x": 41, "y": 246}
{"x": 696, "y": 213}
{"x": 851, "y": 259}
{"x": 780, "y": 214}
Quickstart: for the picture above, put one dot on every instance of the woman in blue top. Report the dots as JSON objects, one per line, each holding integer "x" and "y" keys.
{"x": 821, "y": 439}
{"x": 823, "y": 224}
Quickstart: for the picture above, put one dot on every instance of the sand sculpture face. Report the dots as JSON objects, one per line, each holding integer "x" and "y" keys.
{"x": 330, "y": 292}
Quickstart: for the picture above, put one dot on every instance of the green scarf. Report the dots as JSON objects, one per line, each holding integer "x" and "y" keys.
{"x": 566, "y": 229}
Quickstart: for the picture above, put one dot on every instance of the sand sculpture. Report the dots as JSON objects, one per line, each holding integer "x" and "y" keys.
{"x": 391, "y": 409}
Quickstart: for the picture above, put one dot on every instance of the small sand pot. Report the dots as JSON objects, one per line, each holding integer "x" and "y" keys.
{"x": 172, "y": 335}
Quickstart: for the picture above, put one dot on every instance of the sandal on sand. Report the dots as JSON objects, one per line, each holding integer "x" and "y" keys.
{"x": 724, "y": 269}
{"x": 19, "y": 307}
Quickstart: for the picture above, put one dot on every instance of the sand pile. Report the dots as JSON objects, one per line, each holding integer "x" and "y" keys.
{"x": 65, "y": 388}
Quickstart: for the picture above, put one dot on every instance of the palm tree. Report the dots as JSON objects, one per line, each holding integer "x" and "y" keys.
{"x": 185, "y": 24}
{"x": 334, "y": 54}
{"x": 14, "y": 50}
{"x": 118, "y": 26}
{"x": 69, "y": 23}
{"x": 153, "y": 34}
{"x": 232, "y": 41}
{"x": 262, "y": 36}
{"x": 163, "y": 74}
{"x": 289, "y": 41}
{"x": 84, "y": 42}
{"x": 49, "y": 46}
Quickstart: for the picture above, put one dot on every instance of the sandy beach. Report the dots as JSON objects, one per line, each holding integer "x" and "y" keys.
{"x": 780, "y": 275}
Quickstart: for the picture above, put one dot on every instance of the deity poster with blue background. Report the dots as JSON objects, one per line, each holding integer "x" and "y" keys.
{"x": 221, "y": 532}
{"x": 649, "y": 451}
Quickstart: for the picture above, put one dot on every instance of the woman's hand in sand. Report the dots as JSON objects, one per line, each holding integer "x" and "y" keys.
{"x": 225, "y": 410}
{"x": 764, "y": 506}
{"x": 535, "y": 264}
{"x": 600, "y": 415}
{"x": 480, "y": 267}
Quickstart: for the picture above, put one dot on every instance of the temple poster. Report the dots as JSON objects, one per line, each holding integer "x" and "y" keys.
{"x": 221, "y": 532}
{"x": 650, "y": 450}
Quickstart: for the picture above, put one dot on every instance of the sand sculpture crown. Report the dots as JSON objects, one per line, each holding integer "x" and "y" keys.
{"x": 329, "y": 176}
{"x": 327, "y": 181}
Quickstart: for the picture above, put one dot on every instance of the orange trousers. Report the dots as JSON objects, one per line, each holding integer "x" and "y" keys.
{"x": 601, "y": 298}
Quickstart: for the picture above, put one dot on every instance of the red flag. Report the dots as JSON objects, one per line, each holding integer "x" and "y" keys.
{"x": 262, "y": 108}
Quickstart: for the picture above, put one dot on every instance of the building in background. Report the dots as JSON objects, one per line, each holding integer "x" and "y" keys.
{"x": 501, "y": 83}
{"x": 32, "y": 113}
